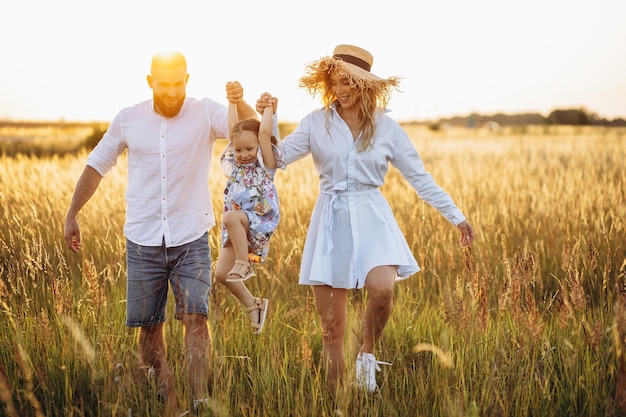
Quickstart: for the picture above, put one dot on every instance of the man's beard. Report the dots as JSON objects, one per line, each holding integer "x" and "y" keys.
{"x": 167, "y": 110}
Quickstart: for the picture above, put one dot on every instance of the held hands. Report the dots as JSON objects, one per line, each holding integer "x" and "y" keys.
{"x": 266, "y": 100}
{"x": 467, "y": 233}
{"x": 234, "y": 91}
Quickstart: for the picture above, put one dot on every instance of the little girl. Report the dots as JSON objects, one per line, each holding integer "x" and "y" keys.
{"x": 251, "y": 207}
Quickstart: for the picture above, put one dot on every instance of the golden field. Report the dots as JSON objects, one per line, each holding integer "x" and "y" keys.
{"x": 529, "y": 321}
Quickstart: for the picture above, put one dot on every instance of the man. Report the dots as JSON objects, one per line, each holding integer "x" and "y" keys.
{"x": 169, "y": 140}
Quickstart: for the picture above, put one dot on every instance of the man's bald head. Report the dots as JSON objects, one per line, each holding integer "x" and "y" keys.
{"x": 168, "y": 60}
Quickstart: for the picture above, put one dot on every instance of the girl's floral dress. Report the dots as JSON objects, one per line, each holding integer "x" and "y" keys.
{"x": 250, "y": 187}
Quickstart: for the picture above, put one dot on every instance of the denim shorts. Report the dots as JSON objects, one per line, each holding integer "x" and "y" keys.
{"x": 186, "y": 268}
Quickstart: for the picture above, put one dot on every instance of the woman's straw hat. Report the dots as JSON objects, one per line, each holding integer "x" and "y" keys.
{"x": 355, "y": 59}
{"x": 351, "y": 62}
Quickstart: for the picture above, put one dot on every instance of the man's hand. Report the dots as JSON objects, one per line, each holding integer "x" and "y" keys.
{"x": 72, "y": 234}
{"x": 234, "y": 91}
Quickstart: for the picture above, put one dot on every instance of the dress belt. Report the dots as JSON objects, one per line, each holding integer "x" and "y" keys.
{"x": 334, "y": 206}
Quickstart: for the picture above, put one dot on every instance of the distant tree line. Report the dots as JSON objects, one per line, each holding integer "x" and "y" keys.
{"x": 97, "y": 130}
{"x": 572, "y": 117}
{"x": 46, "y": 123}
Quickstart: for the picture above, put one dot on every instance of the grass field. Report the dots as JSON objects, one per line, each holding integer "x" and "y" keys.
{"x": 529, "y": 321}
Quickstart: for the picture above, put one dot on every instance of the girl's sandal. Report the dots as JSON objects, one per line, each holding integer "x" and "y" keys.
{"x": 240, "y": 272}
{"x": 260, "y": 304}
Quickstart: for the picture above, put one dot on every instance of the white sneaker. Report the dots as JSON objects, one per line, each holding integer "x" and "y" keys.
{"x": 366, "y": 368}
{"x": 201, "y": 406}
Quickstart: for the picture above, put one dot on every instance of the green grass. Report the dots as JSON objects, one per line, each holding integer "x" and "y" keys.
{"x": 528, "y": 322}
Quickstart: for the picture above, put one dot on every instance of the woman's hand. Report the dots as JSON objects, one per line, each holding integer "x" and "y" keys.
{"x": 266, "y": 100}
{"x": 467, "y": 233}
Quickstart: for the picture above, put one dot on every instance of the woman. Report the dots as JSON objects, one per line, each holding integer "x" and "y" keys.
{"x": 353, "y": 240}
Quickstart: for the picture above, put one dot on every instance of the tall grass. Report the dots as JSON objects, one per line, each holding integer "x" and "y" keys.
{"x": 529, "y": 321}
{"x": 46, "y": 139}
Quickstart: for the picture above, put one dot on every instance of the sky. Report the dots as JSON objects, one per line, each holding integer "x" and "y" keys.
{"x": 83, "y": 60}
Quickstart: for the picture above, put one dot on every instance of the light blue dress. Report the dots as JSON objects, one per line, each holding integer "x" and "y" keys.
{"x": 352, "y": 227}
{"x": 250, "y": 187}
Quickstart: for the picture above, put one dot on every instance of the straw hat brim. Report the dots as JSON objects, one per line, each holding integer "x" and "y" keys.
{"x": 315, "y": 75}
{"x": 355, "y": 70}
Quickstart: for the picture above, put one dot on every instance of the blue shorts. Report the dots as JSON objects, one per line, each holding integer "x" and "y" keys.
{"x": 186, "y": 268}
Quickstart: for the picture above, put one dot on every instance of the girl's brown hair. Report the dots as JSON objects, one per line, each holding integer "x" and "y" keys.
{"x": 250, "y": 125}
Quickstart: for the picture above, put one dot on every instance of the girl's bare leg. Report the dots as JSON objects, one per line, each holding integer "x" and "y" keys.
{"x": 236, "y": 223}
{"x": 224, "y": 264}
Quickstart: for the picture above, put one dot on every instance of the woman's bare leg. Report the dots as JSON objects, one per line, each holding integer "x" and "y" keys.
{"x": 379, "y": 284}
{"x": 331, "y": 306}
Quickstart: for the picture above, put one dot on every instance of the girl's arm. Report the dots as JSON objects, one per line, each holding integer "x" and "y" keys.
{"x": 232, "y": 117}
{"x": 233, "y": 106}
{"x": 265, "y": 138}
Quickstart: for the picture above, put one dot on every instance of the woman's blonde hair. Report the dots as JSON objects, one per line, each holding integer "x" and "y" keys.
{"x": 374, "y": 92}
